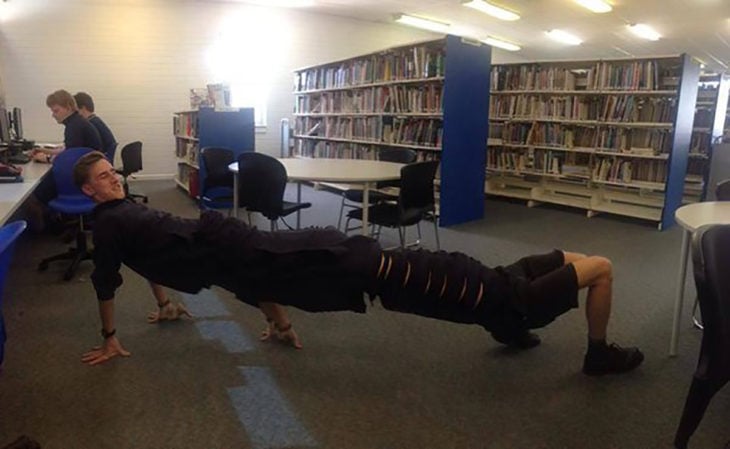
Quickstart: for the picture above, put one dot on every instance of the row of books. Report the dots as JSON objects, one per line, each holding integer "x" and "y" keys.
{"x": 347, "y": 150}
{"x": 413, "y": 63}
{"x": 541, "y": 162}
{"x": 630, "y": 75}
{"x": 609, "y": 108}
{"x": 185, "y": 125}
{"x": 187, "y": 149}
{"x": 397, "y": 130}
{"x": 547, "y": 162}
{"x": 626, "y": 171}
{"x": 385, "y": 99}
{"x": 700, "y": 143}
{"x": 628, "y": 140}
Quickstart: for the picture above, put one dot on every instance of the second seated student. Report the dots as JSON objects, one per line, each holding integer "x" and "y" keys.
{"x": 321, "y": 270}
{"x": 78, "y": 132}
{"x": 86, "y": 108}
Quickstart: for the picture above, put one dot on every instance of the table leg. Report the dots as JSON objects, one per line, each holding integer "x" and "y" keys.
{"x": 365, "y": 208}
{"x": 684, "y": 253}
{"x": 235, "y": 194}
{"x": 299, "y": 200}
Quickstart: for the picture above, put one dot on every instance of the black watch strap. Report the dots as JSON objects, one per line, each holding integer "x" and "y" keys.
{"x": 109, "y": 334}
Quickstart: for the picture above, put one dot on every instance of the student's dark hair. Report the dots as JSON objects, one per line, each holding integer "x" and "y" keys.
{"x": 84, "y": 100}
{"x": 83, "y": 166}
{"x": 61, "y": 98}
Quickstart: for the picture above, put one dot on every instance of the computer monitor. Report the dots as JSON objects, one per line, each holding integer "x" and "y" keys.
{"x": 4, "y": 126}
{"x": 18, "y": 123}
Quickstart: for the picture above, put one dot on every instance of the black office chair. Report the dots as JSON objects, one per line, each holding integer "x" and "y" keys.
{"x": 352, "y": 198}
{"x": 415, "y": 203}
{"x": 722, "y": 193}
{"x": 131, "y": 163}
{"x": 70, "y": 201}
{"x": 261, "y": 184}
{"x": 217, "y": 192}
{"x": 710, "y": 257}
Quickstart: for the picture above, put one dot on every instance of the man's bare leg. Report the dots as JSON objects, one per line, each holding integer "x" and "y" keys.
{"x": 596, "y": 273}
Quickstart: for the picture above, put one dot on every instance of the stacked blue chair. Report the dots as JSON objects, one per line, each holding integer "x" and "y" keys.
{"x": 8, "y": 236}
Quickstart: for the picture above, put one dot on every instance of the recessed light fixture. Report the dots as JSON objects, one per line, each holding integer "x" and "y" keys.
{"x": 492, "y": 10}
{"x": 644, "y": 31}
{"x": 564, "y": 37}
{"x": 499, "y": 43}
{"x": 420, "y": 22}
{"x": 597, "y": 6}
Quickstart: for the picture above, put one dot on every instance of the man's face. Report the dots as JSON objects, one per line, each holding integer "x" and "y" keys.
{"x": 60, "y": 112}
{"x": 103, "y": 183}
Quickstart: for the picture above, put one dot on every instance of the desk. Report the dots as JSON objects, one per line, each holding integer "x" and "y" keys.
{"x": 691, "y": 217}
{"x": 13, "y": 194}
{"x": 350, "y": 171}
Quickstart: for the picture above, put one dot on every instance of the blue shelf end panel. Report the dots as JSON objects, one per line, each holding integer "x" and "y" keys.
{"x": 464, "y": 146}
{"x": 677, "y": 164}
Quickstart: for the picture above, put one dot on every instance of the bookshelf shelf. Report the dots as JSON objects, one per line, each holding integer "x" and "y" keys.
{"x": 207, "y": 127}
{"x": 430, "y": 97}
{"x": 604, "y": 135}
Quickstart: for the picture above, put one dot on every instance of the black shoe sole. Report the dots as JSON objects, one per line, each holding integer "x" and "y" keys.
{"x": 631, "y": 365}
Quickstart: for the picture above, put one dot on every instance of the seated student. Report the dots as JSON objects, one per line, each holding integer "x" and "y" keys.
{"x": 324, "y": 270}
{"x": 78, "y": 132}
{"x": 86, "y": 108}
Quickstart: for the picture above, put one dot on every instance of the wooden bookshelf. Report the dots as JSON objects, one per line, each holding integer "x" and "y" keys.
{"x": 608, "y": 136}
{"x": 428, "y": 96}
{"x": 707, "y": 129}
{"x": 207, "y": 127}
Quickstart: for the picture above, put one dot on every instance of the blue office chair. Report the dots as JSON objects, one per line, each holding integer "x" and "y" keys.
{"x": 8, "y": 235}
{"x": 70, "y": 200}
{"x": 217, "y": 188}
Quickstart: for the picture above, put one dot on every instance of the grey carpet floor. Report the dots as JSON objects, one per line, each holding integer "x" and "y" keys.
{"x": 378, "y": 380}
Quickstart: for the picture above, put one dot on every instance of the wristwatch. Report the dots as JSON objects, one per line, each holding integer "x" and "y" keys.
{"x": 109, "y": 334}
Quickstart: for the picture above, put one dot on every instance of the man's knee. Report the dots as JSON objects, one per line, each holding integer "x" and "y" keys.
{"x": 593, "y": 270}
{"x": 603, "y": 267}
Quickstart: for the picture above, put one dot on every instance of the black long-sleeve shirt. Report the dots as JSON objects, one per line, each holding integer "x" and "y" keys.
{"x": 79, "y": 132}
{"x": 108, "y": 142}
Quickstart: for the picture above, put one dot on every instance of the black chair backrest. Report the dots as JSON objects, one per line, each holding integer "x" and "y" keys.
{"x": 132, "y": 158}
{"x": 261, "y": 184}
{"x": 722, "y": 191}
{"x": 399, "y": 155}
{"x": 215, "y": 162}
{"x": 416, "y": 185}
{"x": 710, "y": 257}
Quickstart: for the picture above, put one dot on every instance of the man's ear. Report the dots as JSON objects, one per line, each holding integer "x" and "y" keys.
{"x": 88, "y": 190}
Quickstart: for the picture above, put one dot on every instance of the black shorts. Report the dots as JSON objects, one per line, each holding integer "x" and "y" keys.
{"x": 545, "y": 287}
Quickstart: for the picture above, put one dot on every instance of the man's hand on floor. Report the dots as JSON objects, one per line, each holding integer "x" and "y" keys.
{"x": 100, "y": 354}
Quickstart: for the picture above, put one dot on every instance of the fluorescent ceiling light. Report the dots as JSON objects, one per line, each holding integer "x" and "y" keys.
{"x": 564, "y": 37}
{"x": 494, "y": 42}
{"x": 597, "y": 6}
{"x": 426, "y": 24}
{"x": 284, "y": 3}
{"x": 644, "y": 31}
{"x": 492, "y": 10}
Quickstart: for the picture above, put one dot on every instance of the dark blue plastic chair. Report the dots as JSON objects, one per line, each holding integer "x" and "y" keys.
{"x": 217, "y": 185}
{"x": 8, "y": 236}
{"x": 70, "y": 200}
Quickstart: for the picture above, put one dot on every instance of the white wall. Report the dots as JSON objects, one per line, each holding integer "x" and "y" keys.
{"x": 139, "y": 58}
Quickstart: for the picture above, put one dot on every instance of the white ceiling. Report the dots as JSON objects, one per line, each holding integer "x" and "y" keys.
{"x": 698, "y": 27}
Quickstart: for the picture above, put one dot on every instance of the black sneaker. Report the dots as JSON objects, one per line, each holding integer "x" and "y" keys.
{"x": 521, "y": 340}
{"x": 612, "y": 359}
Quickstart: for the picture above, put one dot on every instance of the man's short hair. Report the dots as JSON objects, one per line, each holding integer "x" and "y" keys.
{"x": 83, "y": 167}
{"x": 84, "y": 100}
{"x": 61, "y": 98}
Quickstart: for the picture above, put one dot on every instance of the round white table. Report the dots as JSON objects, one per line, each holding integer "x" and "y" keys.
{"x": 691, "y": 217}
{"x": 349, "y": 171}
